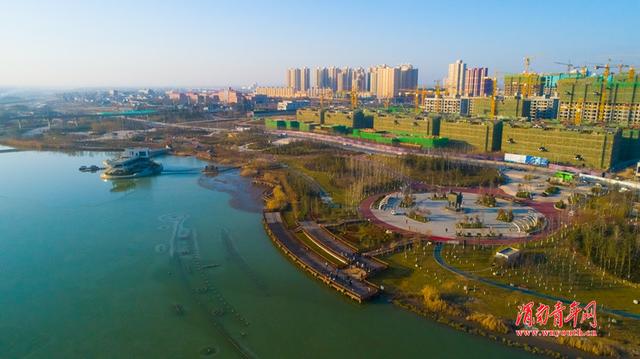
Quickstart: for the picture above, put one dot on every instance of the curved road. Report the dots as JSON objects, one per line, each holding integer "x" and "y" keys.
{"x": 437, "y": 255}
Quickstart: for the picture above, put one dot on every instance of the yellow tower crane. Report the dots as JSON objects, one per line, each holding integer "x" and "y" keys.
{"x": 437, "y": 98}
{"x": 418, "y": 99}
{"x": 621, "y": 67}
{"x": 354, "y": 96}
{"x": 603, "y": 90}
{"x": 631, "y": 73}
{"x": 494, "y": 92}
{"x": 529, "y": 83}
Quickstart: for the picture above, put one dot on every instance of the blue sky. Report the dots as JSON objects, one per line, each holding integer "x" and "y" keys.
{"x": 217, "y": 43}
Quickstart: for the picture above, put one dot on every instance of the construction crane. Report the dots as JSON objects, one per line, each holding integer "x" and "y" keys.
{"x": 526, "y": 91}
{"x": 325, "y": 92}
{"x": 494, "y": 92}
{"x": 621, "y": 67}
{"x": 354, "y": 96}
{"x": 569, "y": 65}
{"x": 631, "y": 73}
{"x": 603, "y": 89}
{"x": 527, "y": 63}
{"x": 418, "y": 99}
{"x": 437, "y": 98}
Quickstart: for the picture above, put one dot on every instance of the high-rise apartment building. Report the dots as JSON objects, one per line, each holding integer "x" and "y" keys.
{"x": 373, "y": 80}
{"x": 291, "y": 78}
{"x": 333, "y": 77}
{"x": 387, "y": 81}
{"x": 305, "y": 79}
{"x": 408, "y": 77}
{"x": 455, "y": 79}
{"x": 344, "y": 79}
{"x": 359, "y": 80}
{"x": 381, "y": 81}
{"x": 299, "y": 79}
{"x": 474, "y": 84}
{"x": 321, "y": 78}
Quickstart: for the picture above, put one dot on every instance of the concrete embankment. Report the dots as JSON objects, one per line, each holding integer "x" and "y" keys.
{"x": 299, "y": 253}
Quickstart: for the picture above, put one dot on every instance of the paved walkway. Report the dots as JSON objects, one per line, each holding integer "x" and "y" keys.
{"x": 444, "y": 222}
{"x": 437, "y": 255}
{"x": 545, "y": 208}
{"x": 340, "y": 248}
{"x": 315, "y": 262}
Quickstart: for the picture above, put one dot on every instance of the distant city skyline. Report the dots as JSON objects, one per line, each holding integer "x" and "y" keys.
{"x": 210, "y": 44}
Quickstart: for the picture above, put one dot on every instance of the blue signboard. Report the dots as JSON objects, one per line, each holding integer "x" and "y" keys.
{"x": 537, "y": 161}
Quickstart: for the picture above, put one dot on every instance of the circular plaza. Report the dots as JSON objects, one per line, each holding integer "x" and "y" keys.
{"x": 456, "y": 215}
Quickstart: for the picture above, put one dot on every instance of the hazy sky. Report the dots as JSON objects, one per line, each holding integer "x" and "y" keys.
{"x": 217, "y": 43}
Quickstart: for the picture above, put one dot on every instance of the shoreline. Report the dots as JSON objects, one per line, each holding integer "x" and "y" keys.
{"x": 397, "y": 298}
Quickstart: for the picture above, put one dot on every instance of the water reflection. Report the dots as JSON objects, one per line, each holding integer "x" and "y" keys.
{"x": 122, "y": 185}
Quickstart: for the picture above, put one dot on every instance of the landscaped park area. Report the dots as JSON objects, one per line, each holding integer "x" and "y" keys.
{"x": 458, "y": 214}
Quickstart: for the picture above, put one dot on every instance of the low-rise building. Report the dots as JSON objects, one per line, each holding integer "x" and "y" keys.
{"x": 292, "y": 105}
{"x": 508, "y": 254}
{"x": 458, "y": 106}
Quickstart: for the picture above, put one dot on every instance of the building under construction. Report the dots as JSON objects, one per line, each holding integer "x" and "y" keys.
{"x": 605, "y": 100}
{"x": 583, "y": 147}
{"x": 453, "y": 105}
{"x": 523, "y": 85}
{"x": 347, "y": 118}
{"x": 594, "y": 147}
{"x": 314, "y": 115}
{"x": 404, "y": 123}
{"x": 505, "y": 107}
{"x": 472, "y": 135}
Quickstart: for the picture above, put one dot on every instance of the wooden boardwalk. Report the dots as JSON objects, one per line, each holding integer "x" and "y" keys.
{"x": 299, "y": 253}
{"x": 341, "y": 249}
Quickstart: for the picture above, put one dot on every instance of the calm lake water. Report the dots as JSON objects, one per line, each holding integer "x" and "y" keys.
{"x": 165, "y": 267}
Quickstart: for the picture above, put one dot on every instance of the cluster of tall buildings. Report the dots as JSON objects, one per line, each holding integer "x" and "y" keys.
{"x": 298, "y": 79}
{"x": 380, "y": 81}
{"x": 469, "y": 82}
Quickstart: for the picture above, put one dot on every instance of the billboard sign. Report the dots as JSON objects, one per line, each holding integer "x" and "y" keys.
{"x": 537, "y": 161}
{"x": 526, "y": 159}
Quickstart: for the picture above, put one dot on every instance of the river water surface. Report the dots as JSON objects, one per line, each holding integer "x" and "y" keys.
{"x": 174, "y": 266}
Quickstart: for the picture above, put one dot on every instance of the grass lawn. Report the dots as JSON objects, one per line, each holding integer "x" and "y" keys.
{"x": 411, "y": 270}
{"x": 322, "y": 178}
